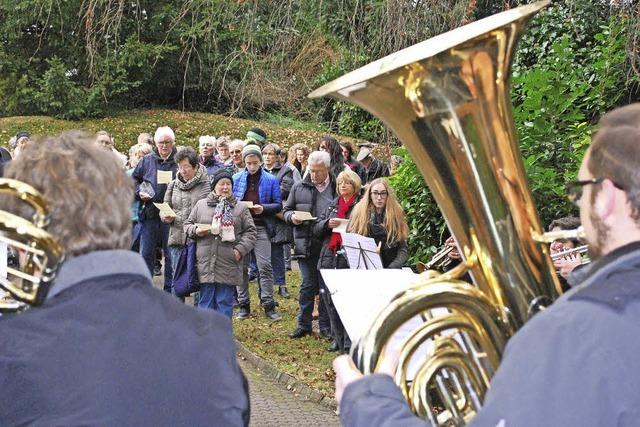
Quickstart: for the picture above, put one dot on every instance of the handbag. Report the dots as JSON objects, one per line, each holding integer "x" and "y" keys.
{"x": 185, "y": 277}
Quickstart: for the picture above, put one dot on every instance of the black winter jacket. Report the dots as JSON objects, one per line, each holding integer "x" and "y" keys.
{"x": 321, "y": 231}
{"x": 303, "y": 197}
{"x": 393, "y": 254}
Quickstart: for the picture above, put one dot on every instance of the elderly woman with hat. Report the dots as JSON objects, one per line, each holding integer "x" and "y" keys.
{"x": 225, "y": 234}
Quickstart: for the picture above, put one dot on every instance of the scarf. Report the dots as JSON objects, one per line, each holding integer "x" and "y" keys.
{"x": 343, "y": 207}
{"x": 197, "y": 178}
{"x": 222, "y": 222}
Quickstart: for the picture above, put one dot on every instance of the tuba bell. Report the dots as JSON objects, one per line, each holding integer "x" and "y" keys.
{"x": 40, "y": 254}
{"x": 447, "y": 100}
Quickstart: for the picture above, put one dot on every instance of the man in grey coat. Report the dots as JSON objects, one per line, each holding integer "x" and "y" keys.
{"x": 576, "y": 363}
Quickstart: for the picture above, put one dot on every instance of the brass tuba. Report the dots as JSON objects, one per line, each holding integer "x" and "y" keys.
{"x": 447, "y": 100}
{"x": 41, "y": 253}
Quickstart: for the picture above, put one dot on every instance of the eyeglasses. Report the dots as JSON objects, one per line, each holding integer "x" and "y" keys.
{"x": 380, "y": 194}
{"x": 574, "y": 188}
{"x": 165, "y": 142}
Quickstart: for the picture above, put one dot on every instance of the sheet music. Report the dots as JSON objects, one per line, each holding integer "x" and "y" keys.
{"x": 360, "y": 295}
{"x": 362, "y": 252}
{"x": 342, "y": 228}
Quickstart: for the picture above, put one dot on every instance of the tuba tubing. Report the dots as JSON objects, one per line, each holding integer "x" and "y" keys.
{"x": 447, "y": 99}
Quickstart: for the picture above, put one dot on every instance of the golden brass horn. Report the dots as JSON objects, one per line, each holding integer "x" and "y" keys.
{"x": 447, "y": 99}
{"x": 43, "y": 255}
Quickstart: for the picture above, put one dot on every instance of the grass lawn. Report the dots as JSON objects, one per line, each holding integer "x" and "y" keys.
{"x": 188, "y": 126}
{"x": 306, "y": 359}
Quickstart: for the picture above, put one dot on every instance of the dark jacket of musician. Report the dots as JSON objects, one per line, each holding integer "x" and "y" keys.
{"x": 574, "y": 364}
{"x": 108, "y": 349}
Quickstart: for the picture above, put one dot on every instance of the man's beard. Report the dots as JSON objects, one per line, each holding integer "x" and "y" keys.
{"x": 602, "y": 234}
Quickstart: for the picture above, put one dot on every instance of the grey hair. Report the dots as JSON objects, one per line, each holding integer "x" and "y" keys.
{"x": 164, "y": 132}
{"x": 318, "y": 157}
{"x": 236, "y": 143}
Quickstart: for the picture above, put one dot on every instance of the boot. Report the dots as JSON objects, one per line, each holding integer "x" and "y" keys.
{"x": 243, "y": 312}
{"x": 270, "y": 312}
{"x": 284, "y": 293}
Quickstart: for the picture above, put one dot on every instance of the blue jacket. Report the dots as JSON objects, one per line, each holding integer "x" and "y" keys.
{"x": 108, "y": 349}
{"x": 577, "y": 363}
{"x": 147, "y": 171}
{"x": 213, "y": 165}
{"x": 268, "y": 191}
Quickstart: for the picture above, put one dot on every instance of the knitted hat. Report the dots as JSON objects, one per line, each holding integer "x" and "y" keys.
{"x": 251, "y": 149}
{"x": 258, "y": 134}
{"x": 221, "y": 174}
{"x": 22, "y": 134}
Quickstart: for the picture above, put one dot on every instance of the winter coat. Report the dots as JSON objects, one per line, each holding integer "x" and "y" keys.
{"x": 147, "y": 171}
{"x": 215, "y": 259}
{"x": 212, "y": 165}
{"x": 269, "y": 193}
{"x": 321, "y": 231}
{"x": 283, "y": 231}
{"x": 377, "y": 169}
{"x": 393, "y": 254}
{"x": 182, "y": 197}
{"x": 359, "y": 169}
{"x": 303, "y": 197}
{"x": 90, "y": 355}
{"x": 577, "y": 359}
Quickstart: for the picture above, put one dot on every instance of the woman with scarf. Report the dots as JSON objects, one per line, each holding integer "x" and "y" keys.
{"x": 380, "y": 216}
{"x": 224, "y": 234}
{"x": 332, "y": 255}
{"x": 191, "y": 184}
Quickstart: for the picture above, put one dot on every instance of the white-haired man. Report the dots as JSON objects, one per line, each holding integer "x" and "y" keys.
{"x": 313, "y": 194}
{"x": 576, "y": 363}
{"x": 151, "y": 176}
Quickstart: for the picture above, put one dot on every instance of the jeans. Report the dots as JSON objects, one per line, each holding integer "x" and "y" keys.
{"x": 277, "y": 263}
{"x": 135, "y": 236}
{"x": 154, "y": 233}
{"x": 217, "y": 296}
{"x": 175, "y": 251}
{"x": 262, "y": 252}
{"x": 308, "y": 291}
{"x": 286, "y": 248}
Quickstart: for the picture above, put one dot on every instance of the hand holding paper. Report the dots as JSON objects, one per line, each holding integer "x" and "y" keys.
{"x": 165, "y": 209}
{"x": 303, "y": 216}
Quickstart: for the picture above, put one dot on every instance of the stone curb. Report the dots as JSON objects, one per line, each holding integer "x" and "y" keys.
{"x": 285, "y": 380}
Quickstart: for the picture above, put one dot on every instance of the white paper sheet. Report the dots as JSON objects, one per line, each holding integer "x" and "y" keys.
{"x": 165, "y": 209}
{"x": 360, "y": 295}
{"x": 164, "y": 177}
{"x": 362, "y": 252}
{"x": 304, "y": 216}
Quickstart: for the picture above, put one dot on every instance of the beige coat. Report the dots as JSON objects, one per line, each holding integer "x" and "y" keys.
{"x": 182, "y": 197}
{"x": 215, "y": 259}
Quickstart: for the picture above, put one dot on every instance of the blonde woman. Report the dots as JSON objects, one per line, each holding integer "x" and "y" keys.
{"x": 380, "y": 216}
{"x": 348, "y": 186}
{"x": 298, "y": 155}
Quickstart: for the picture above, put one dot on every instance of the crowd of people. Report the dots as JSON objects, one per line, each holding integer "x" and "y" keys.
{"x": 237, "y": 199}
{"x": 91, "y": 356}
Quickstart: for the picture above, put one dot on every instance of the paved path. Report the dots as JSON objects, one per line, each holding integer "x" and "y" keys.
{"x": 273, "y": 406}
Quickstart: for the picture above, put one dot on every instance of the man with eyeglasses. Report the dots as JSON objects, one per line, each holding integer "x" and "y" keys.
{"x": 576, "y": 363}
{"x": 151, "y": 176}
{"x": 235, "y": 149}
